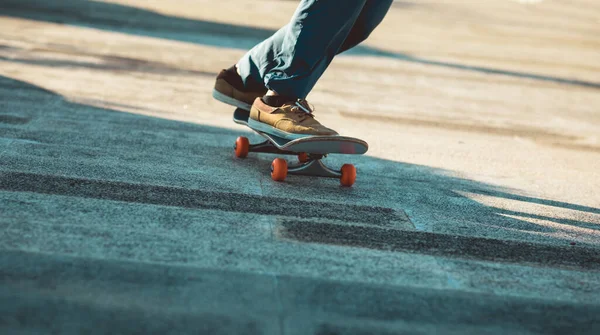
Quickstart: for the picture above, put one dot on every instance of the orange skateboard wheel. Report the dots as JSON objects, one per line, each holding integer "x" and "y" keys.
{"x": 242, "y": 145}
{"x": 348, "y": 175}
{"x": 303, "y": 157}
{"x": 279, "y": 169}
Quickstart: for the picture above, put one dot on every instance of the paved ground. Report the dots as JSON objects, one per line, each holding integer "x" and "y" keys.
{"x": 476, "y": 209}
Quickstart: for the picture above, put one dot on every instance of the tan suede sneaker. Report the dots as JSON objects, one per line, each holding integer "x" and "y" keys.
{"x": 230, "y": 90}
{"x": 290, "y": 121}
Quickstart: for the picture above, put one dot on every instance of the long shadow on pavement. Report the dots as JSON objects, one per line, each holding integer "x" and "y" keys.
{"x": 53, "y": 151}
{"x": 142, "y": 22}
{"x": 56, "y": 147}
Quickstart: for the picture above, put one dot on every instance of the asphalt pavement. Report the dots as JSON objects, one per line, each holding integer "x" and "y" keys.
{"x": 124, "y": 210}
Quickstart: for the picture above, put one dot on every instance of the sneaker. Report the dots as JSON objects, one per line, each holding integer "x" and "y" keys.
{"x": 229, "y": 88}
{"x": 291, "y": 121}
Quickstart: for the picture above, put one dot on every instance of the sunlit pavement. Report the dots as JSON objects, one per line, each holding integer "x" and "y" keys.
{"x": 124, "y": 210}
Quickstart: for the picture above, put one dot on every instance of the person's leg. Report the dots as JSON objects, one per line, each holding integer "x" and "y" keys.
{"x": 240, "y": 85}
{"x": 370, "y": 17}
{"x": 292, "y": 60}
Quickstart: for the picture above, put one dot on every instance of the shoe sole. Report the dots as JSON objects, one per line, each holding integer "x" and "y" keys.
{"x": 265, "y": 128}
{"x": 230, "y": 101}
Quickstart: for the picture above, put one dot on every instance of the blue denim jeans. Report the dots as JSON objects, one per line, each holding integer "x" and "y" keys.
{"x": 292, "y": 60}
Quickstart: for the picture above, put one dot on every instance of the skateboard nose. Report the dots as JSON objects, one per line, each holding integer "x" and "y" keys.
{"x": 348, "y": 148}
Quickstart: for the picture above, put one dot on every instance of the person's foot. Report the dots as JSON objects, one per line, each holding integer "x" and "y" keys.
{"x": 292, "y": 120}
{"x": 229, "y": 88}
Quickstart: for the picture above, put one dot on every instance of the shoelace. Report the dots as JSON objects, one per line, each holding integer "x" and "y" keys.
{"x": 303, "y": 109}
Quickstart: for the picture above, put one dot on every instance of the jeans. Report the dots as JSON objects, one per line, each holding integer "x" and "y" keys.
{"x": 292, "y": 60}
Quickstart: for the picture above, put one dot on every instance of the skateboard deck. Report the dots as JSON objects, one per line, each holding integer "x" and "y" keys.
{"x": 310, "y": 151}
{"x": 311, "y": 145}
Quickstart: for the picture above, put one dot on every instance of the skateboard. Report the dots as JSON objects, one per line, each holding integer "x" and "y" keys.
{"x": 309, "y": 151}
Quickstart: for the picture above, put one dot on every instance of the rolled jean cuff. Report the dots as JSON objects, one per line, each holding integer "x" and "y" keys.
{"x": 289, "y": 86}
{"x": 250, "y": 75}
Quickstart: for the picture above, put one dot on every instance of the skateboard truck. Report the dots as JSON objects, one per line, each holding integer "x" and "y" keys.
{"x": 308, "y": 164}
{"x": 313, "y": 167}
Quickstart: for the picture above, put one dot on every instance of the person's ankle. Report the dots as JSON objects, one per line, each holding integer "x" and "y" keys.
{"x": 276, "y": 100}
